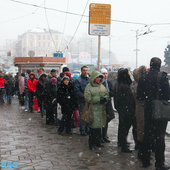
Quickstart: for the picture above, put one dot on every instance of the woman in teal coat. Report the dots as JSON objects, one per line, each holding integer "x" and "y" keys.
{"x": 96, "y": 96}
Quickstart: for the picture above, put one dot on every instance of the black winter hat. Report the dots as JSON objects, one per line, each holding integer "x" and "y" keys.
{"x": 66, "y": 69}
{"x": 23, "y": 74}
{"x": 53, "y": 71}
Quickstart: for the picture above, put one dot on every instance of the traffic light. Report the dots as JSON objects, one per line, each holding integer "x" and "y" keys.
{"x": 9, "y": 53}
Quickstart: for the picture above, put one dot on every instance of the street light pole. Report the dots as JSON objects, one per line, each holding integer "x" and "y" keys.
{"x": 137, "y": 38}
{"x": 137, "y": 34}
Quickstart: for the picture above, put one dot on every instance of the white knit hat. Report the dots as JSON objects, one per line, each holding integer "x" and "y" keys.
{"x": 103, "y": 70}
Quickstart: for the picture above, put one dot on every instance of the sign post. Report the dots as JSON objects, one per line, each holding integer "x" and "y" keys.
{"x": 99, "y": 23}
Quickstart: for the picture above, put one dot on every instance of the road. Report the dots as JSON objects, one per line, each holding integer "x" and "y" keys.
{"x": 27, "y": 140}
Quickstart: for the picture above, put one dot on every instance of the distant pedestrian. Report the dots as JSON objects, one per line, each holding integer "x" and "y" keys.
{"x": 2, "y": 87}
{"x": 31, "y": 84}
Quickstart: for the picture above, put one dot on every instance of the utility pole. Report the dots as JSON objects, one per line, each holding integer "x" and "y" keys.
{"x": 99, "y": 44}
{"x": 109, "y": 49}
{"x": 137, "y": 39}
{"x": 137, "y": 34}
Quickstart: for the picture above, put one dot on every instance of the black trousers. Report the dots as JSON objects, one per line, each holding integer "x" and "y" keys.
{"x": 154, "y": 136}
{"x": 30, "y": 103}
{"x": 104, "y": 131}
{"x": 2, "y": 95}
{"x": 94, "y": 137}
{"x": 51, "y": 113}
{"x": 125, "y": 122}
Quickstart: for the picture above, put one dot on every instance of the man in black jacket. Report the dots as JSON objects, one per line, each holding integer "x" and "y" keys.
{"x": 154, "y": 131}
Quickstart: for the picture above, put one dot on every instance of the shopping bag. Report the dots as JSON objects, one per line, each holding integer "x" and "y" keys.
{"x": 35, "y": 104}
{"x": 76, "y": 117}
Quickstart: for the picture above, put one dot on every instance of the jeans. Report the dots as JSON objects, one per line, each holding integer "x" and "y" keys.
{"x": 1, "y": 95}
{"x": 26, "y": 101}
{"x": 9, "y": 99}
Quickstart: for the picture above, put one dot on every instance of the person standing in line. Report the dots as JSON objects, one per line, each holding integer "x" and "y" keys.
{"x": 109, "y": 109}
{"x": 60, "y": 77}
{"x": 10, "y": 89}
{"x": 51, "y": 101}
{"x": 66, "y": 99}
{"x": 79, "y": 87}
{"x": 31, "y": 84}
{"x": 125, "y": 105}
{"x": 96, "y": 95}
{"x": 40, "y": 93}
{"x": 137, "y": 73}
{"x": 2, "y": 87}
{"x": 154, "y": 130}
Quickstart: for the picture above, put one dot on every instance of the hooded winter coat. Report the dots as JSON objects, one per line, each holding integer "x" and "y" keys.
{"x": 40, "y": 90}
{"x": 2, "y": 82}
{"x": 93, "y": 93}
{"x": 123, "y": 99}
{"x": 31, "y": 84}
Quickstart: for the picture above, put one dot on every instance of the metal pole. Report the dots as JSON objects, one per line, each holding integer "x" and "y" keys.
{"x": 99, "y": 43}
{"x": 91, "y": 51}
{"x": 137, "y": 48}
{"x": 109, "y": 49}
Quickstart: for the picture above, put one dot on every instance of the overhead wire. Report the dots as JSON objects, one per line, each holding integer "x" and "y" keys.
{"x": 73, "y": 13}
{"x": 64, "y": 24}
{"x": 76, "y": 14}
{"x": 77, "y": 26}
{"x": 49, "y": 29}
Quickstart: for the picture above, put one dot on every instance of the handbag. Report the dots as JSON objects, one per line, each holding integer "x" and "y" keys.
{"x": 35, "y": 104}
{"x": 160, "y": 108}
{"x": 87, "y": 114}
{"x": 76, "y": 117}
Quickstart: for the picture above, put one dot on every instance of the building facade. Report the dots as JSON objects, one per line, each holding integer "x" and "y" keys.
{"x": 38, "y": 43}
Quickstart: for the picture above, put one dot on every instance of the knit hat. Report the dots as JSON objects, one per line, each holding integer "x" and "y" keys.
{"x": 23, "y": 74}
{"x": 65, "y": 77}
{"x": 53, "y": 71}
{"x": 103, "y": 70}
{"x": 66, "y": 69}
{"x": 68, "y": 74}
{"x": 53, "y": 80}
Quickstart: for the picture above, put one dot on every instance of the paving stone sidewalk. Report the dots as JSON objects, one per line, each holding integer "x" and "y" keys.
{"x": 25, "y": 138}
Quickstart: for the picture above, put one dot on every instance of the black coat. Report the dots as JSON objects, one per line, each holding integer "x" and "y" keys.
{"x": 50, "y": 94}
{"x": 123, "y": 97}
{"x": 66, "y": 97}
{"x": 147, "y": 86}
{"x": 10, "y": 88}
{"x": 40, "y": 89}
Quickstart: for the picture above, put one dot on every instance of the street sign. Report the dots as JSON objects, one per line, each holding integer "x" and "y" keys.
{"x": 99, "y": 19}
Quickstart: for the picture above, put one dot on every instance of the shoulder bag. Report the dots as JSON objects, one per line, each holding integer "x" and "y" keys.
{"x": 160, "y": 108}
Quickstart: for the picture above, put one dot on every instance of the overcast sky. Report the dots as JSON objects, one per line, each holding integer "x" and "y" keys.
{"x": 17, "y": 18}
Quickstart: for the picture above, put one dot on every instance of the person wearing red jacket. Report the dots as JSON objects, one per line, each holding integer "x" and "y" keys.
{"x": 31, "y": 85}
{"x": 2, "y": 87}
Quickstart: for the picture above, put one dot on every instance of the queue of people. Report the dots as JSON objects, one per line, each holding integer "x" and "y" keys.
{"x": 93, "y": 95}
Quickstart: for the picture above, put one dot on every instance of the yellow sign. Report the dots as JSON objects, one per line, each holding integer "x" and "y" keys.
{"x": 99, "y": 19}
{"x": 100, "y": 13}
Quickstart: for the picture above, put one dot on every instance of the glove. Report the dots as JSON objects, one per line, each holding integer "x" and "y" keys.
{"x": 103, "y": 100}
{"x": 54, "y": 100}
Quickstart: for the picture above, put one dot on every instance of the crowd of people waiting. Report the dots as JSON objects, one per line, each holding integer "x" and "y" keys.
{"x": 132, "y": 101}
